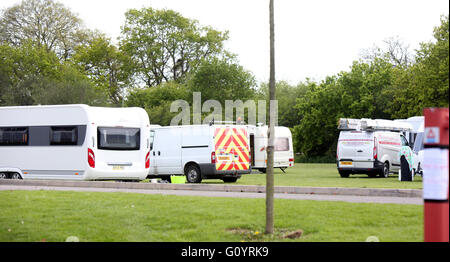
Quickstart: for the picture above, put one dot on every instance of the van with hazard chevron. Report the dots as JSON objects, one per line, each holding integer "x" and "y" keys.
{"x": 367, "y": 146}
{"x": 200, "y": 152}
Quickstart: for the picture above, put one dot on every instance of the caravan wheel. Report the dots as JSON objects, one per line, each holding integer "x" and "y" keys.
{"x": 16, "y": 176}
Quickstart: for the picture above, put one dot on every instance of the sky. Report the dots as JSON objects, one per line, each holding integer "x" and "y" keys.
{"x": 313, "y": 39}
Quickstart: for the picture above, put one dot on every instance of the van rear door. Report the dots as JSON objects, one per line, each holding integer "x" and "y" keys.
{"x": 355, "y": 149}
{"x": 231, "y": 148}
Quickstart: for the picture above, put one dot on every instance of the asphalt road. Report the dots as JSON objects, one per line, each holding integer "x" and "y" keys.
{"x": 320, "y": 197}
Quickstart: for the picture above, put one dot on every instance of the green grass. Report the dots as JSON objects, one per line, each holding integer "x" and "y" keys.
{"x": 91, "y": 216}
{"x": 325, "y": 175}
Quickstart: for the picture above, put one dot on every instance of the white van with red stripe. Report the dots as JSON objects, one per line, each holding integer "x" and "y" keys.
{"x": 369, "y": 151}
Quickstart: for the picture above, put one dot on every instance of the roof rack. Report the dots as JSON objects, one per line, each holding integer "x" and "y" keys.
{"x": 373, "y": 124}
{"x": 215, "y": 122}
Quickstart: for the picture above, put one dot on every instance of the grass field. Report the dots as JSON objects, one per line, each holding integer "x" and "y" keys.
{"x": 325, "y": 175}
{"x": 55, "y": 215}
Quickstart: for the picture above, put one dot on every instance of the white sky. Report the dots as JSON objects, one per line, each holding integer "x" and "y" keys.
{"x": 313, "y": 39}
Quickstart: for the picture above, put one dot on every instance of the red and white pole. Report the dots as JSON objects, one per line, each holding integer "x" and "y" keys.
{"x": 436, "y": 175}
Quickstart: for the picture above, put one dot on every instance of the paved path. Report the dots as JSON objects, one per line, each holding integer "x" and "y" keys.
{"x": 180, "y": 192}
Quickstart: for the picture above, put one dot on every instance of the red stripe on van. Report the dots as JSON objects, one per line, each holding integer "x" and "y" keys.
{"x": 370, "y": 140}
{"x": 389, "y": 143}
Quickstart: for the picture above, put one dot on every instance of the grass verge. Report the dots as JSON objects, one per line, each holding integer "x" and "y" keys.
{"x": 31, "y": 216}
{"x": 324, "y": 175}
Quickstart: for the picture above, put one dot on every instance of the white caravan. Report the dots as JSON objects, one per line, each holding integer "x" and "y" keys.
{"x": 369, "y": 146}
{"x": 283, "y": 148}
{"x": 200, "y": 152}
{"x": 417, "y": 124}
{"x": 76, "y": 142}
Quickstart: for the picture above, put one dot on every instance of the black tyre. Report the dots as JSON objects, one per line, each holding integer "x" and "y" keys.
{"x": 193, "y": 174}
{"x": 229, "y": 179}
{"x": 3, "y": 176}
{"x": 385, "y": 171}
{"x": 263, "y": 170}
{"x": 15, "y": 176}
{"x": 167, "y": 179}
{"x": 372, "y": 175}
{"x": 405, "y": 172}
{"x": 344, "y": 174}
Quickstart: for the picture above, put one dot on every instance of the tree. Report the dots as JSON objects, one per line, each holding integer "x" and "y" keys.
{"x": 70, "y": 87}
{"x": 157, "y": 100}
{"x": 286, "y": 95}
{"x": 426, "y": 82}
{"x": 165, "y": 46}
{"x": 271, "y": 133}
{"x": 21, "y": 68}
{"x": 46, "y": 23}
{"x": 393, "y": 50}
{"x": 105, "y": 65}
{"x": 222, "y": 79}
{"x": 32, "y": 75}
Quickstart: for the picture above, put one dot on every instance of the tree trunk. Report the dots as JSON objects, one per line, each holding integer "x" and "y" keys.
{"x": 270, "y": 146}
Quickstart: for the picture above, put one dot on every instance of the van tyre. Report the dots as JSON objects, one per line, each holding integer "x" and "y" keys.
{"x": 193, "y": 174}
{"x": 344, "y": 174}
{"x": 3, "y": 176}
{"x": 385, "y": 171}
{"x": 229, "y": 179}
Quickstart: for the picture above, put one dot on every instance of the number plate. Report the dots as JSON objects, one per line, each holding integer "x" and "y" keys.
{"x": 224, "y": 158}
{"x": 346, "y": 163}
{"x": 118, "y": 167}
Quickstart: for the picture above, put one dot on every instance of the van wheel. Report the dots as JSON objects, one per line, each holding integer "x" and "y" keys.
{"x": 385, "y": 170}
{"x": 3, "y": 176}
{"x": 193, "y": 174}
{"x": 229, "y": 179}
{"x": 16, "y": 176}
{"x": 344, "y": 174}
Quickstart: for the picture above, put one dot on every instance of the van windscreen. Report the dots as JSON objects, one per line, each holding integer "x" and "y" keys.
{"x": 118, "y": 138}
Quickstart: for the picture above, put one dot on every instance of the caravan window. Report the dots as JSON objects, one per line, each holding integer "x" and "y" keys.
{"x": 63, "y": 135}
{"x": 118, "y": 138}
{"x": 281, "y": 144}
{"x": 13, "y": 136}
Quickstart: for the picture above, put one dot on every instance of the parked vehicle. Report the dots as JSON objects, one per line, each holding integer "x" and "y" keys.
{"x": 283, "y": 151}
{"x": 200, "y": 152}
{"x": 417, "y": 124}
{"x": 369, "y": 146}
{"x": 76, "y": 142}
{"x": 418, "y": 154}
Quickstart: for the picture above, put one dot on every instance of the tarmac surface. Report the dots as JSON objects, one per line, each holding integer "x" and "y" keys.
{"x": 355, "y": 195}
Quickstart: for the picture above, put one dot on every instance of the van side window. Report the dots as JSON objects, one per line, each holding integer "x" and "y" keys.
{"x": 152, "y": 138}
{"x": 13, "y": 136}
{"x": 63, "y": 135}
{"x": 404, "y": 141}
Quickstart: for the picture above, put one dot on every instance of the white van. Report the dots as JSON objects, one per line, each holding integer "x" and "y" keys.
{"x": 200, "y": 152}
{"x": 76, "y": 142}
{"x": 283, "y": 151}
{"x": 369, "y": 149}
